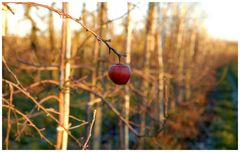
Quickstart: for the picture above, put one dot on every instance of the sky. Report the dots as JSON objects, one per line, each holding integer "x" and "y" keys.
{"x": 222, "y": 19}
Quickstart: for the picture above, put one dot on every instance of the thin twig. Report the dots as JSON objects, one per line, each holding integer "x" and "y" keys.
{"x": 42, "y": 108}
{"x": 70, "y": 116}
{"x": 34, "y": 64}
{"x": 38, "y": 66}
{"x": 107, "y": 22}
{"x": 52, "y": 68}
{"x": 30, "y": 114}
{"x": 99, "y": 38}
{"x": 9, "y": 8}
{"x": 90, "y": 131}
{"x": 42, "y": 67}
{"x": 126, "y": 13}
{"x": 9, "y": 116}
{"x": 86, "y": 88}
{"x": 77, "y": 126}
{"x": 9, "y": 70}
{"x": 16, "y": 121}
{"x": 50, "y": 110}
{"x": 31, "y": 123}
{"x": 36, "y": 84}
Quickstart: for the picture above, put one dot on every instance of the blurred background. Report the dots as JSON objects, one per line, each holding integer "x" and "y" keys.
{"x": 183, "y": 91}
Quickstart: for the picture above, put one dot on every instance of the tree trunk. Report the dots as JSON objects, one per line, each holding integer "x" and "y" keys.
{"x": 190, "y": 60}
{"x": 172, "y": 54}
{"x": 64, "y": 95}
{"x": 148, "y": 49}
{"x": 160, "y": 42}
{"x": 121, "y": 141}
{"x": 33, "y": 36}
{"x": 180, "y": 53}
{"x": 67, "y": 39}
{"x": 52, "y": 40}
{"x": 51, "y": 31}
{"x": 102, "y": 15}
{"x": 34, "y": 40}
{"x": 128, "y": 60}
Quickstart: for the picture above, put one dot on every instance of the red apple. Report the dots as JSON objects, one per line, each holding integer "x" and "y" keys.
{"x": 119, "y": 73}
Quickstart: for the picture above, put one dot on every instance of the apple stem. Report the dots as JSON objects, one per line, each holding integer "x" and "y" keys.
{"x": 119, "y": 58}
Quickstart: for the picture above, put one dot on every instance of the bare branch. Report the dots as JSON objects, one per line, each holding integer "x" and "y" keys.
{"x": 99, "y": 38}
{"x": 126, "y": 13}
{"x": 31, "y": 123}
{"x": 86, "y": 88}
{"x": 30, "y": 114}
{"x": 42, "y": 66}
{"x": 77, "y": 126}
{"x": 36, "y": 84}
{"x": 90, "y": 131}
{"x": 23, "y": 90}
{"x": 70, "y": 116}
{"x": 9, "y": 8}
{"x": 42, "y": 108}
{"x": 9, "y": 116}
{"x": 9, "y": 70}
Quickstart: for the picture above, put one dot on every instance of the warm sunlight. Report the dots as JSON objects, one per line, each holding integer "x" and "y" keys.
{"x": 222, "y": 19}
{"x": 219, "y": 23}
{"x": 120, "y": 76}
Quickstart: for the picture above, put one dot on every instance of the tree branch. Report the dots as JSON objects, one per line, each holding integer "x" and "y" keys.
{"x": 90, "y": 131}
{"x": 31, "y": 123}
{"x": 86, "y": 88}
{"x": 27, "y": 94}
{"x": 99, "y": 38}
{"x": 9, "y": 116}
{"x": 36, "y": 84}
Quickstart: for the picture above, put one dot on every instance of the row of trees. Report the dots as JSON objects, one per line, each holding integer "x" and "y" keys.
{"x": 173, "y": 62}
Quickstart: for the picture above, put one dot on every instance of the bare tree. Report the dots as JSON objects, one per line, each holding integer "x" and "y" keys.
{"x": 64, "y": 83}
{"x": 160, "y": 35}
{"x": 102, "y": 12}
{"x": 190, "y": 55}
{"x": 33, "y": 36}
{"x": 77, "y": 43}
{"x": 128, "y": 60}
{"x": 52, "y": 40}
{"x": 34, "y": 39}
{"x": 95, "y": 58}
{"x": 67, "y": 47}
{"x": 148, "y": 49}
{"x": 51, "y": 32}
{"x": 180, "y": 51}
{"x": 65, "y": 69}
